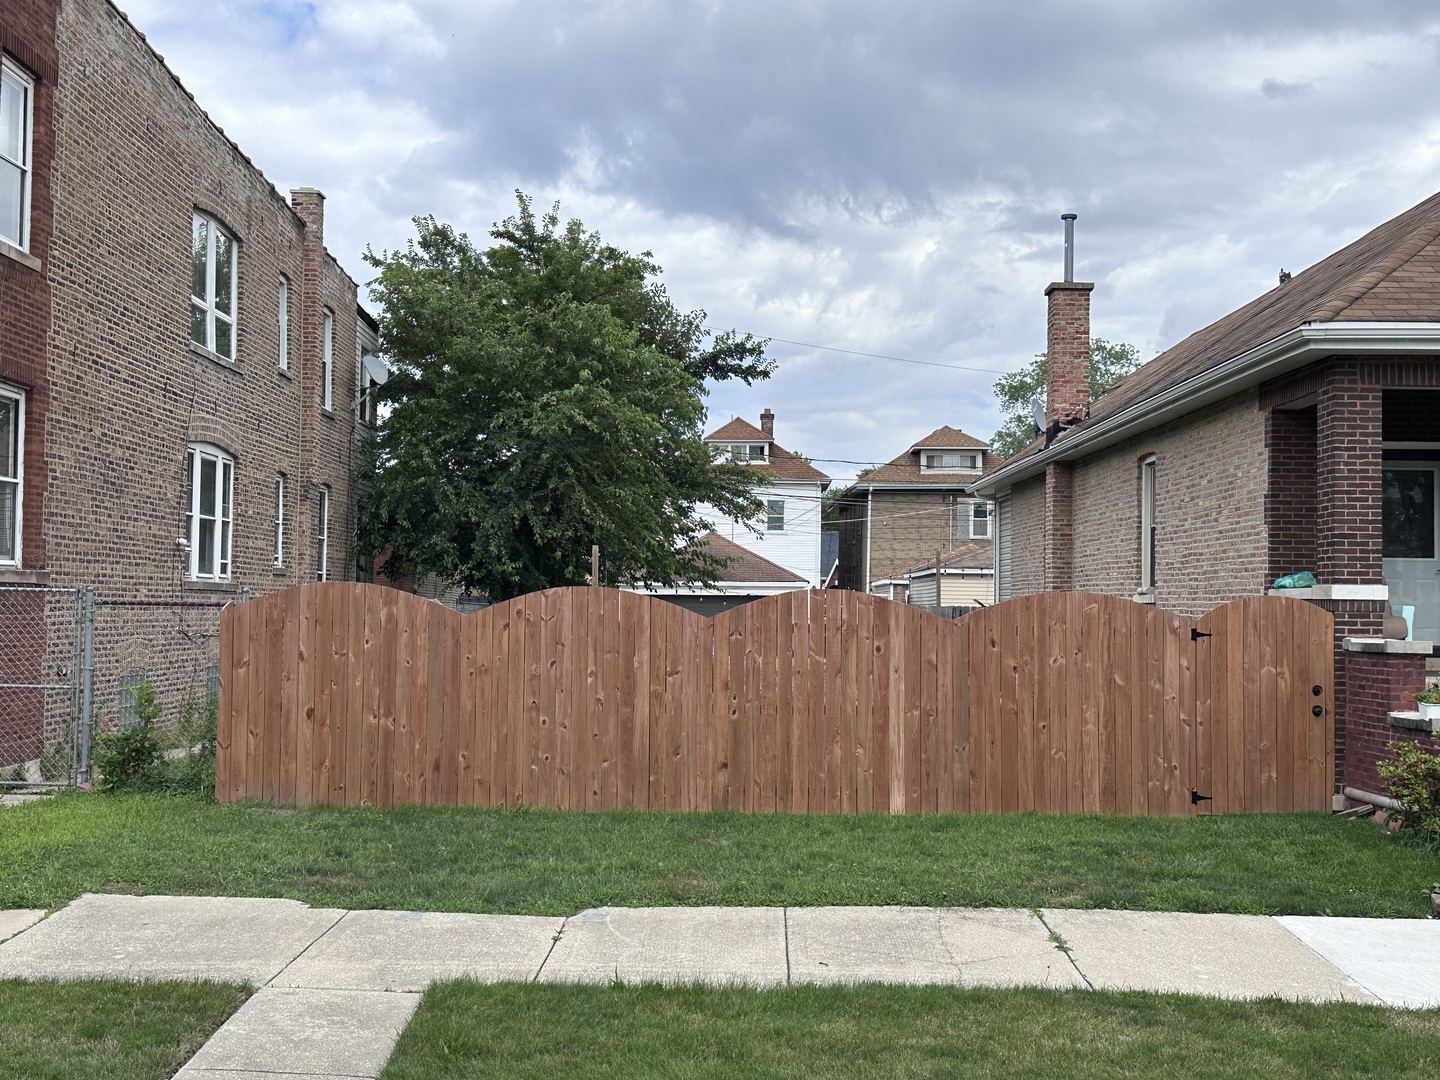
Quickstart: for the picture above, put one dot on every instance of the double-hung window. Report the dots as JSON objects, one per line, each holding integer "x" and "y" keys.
{"x": 284, "y": 307}
{"x": 327, "y": 360}
{"x": 212, "y": 286}
{"x": 210, "y": 474}
{"x": 279, "y": 520}
{"x": 12, "y": 444}
{"x": 774, "y": 515}
{"x": 17, "y": 94}
{"x": 322, "y": 536}
{"x": 950, "y": 462}
{"x": 980, "y": 520}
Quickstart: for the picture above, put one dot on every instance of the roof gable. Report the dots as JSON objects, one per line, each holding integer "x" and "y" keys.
{"x": 747, "y": 566}
{"x": 949, "y": 438}
{"x": 782, "y": 464}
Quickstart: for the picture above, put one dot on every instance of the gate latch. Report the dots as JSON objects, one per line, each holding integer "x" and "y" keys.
{"x": 1195, "y": 797}
{"x": 1196, "y": 635}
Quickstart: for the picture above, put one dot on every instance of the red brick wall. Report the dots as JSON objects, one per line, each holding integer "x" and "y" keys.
{"x": 27, "y": 36}
{"x": 1379, "y": 684}
{"x": 1067, "y": 350}
{"x": 1059, "y": 526}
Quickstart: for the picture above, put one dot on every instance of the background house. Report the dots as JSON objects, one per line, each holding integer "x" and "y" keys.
{"x": 180, "y": 376}
{"x": 965, "y": 578}
{"x": 1300, "y": 432}
{"x": 912, "y": 509}
{"x": 777, "y": 553}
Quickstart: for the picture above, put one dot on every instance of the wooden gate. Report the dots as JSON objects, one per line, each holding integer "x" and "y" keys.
{"x": 807, "y": 702}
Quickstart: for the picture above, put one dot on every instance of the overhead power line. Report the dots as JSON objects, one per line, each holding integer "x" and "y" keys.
{"x": 879, "y": 356}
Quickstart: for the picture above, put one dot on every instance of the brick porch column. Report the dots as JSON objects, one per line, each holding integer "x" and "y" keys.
{"x": 1348, "y": 531}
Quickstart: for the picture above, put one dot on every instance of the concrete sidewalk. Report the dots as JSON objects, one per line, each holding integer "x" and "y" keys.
{"x": 336, "y": 987}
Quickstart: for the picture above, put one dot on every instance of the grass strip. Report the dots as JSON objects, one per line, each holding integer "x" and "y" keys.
{"x": 544, "y": 862}
{"x": 108, "y": 1030}
{"x": 464, "y": 1029}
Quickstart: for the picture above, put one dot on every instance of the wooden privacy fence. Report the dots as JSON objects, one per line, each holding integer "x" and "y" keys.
{"x": 587, "y": 698}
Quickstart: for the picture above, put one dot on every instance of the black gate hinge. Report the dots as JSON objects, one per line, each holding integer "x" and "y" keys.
{"x": 1196, "y": 635}
{"x": 1196, "y": 798}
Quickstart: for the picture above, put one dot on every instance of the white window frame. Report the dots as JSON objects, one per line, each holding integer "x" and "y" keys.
{"x": 222, "y": 515}
{"x": 283, "y": 303}
{"x": 1147, "y": 523}
{"x": 327, "y": 360}
{"x": 771, "y": 514}
{"x": 980, "y": 520}
{"x": 17, "y": 481}
{"x": 322, "y": 534}
{"x": 743, "y": 453}
{"x": 207, "y": 305}
{"x": 14, "y": 76}
{"x": 928, "y": 457}
{"x": 279, "y": 521}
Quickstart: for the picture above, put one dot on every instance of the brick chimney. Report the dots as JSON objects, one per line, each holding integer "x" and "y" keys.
{"x": 1067, "y": 341}
{"x": 767, "y": 423}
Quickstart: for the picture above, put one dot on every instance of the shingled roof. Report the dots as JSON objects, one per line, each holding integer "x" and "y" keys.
{"x": 782, "y": 464}
{"x": 976, "y": 555}
{"x": 1391, "y": 274}
{"x": 905, "y": 469}
{"x": 747, "y": 566}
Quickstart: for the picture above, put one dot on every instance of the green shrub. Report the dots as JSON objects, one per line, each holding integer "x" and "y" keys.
{"x": 1429, "y": 697}
{"x": 132, "y": 760}
{"x": 194, "y": 773}
{"x": 1413, "y": 780}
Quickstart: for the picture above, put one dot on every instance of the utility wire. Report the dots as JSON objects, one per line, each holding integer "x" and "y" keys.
{"x": 877, "y": 356}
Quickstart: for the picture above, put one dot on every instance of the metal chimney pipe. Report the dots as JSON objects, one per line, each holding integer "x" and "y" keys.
{"x": 1069, "y": 220}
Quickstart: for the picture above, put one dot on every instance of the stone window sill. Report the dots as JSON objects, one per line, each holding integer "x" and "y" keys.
{"x": 13, "y": 575}
{"x": 24, "y": 258}
{"x": 200, "y": 350}
{"x": 284, "y": 373}
{"x": 210, "y": 586}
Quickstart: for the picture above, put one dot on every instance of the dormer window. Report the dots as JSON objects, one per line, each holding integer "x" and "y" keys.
{"x": 949, "y": 462}
{"x": 748, "y": 452}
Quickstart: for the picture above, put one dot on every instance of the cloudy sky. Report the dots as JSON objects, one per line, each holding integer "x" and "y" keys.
{"x": 884, "y": 176}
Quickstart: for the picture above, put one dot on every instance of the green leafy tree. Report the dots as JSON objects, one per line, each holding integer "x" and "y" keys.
{"x": 546, "y": 396}
{"x": 1109, "y": 363}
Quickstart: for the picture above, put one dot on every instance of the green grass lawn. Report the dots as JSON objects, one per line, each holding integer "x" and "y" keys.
{"x": 107, "y": 1030}
{"x": 465, "y": 1030}
{"x": 556, "y": 863}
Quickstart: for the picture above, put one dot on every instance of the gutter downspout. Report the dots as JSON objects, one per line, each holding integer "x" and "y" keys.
{"x": 869, "y": 506}
{"x": 1382, "y": 801}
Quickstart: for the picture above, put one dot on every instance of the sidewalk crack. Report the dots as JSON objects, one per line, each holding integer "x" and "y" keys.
{"x": 550, "y": 951}
{"x": 1061, "y": 944}
{"x": 785, "y": 916}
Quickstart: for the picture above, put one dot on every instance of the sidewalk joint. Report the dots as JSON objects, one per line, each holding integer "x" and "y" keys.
{"x": 269, "y": 983}
{"x": 785, "y": 915}
{"x": 555, "y": 940}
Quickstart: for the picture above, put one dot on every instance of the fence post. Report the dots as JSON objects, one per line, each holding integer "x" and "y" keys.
{"x": 87, "y": 673}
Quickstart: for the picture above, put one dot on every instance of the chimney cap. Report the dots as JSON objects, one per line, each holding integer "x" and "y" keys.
{"x": 1068, "y": 216}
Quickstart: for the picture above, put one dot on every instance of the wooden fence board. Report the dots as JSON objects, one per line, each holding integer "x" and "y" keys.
{"x": 803, "y": 702}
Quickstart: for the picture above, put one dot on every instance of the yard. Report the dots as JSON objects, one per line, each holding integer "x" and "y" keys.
{"x": 465, "y": 1030}
{"x": 554, "y": 863}
{"x": 115, "y": 1030}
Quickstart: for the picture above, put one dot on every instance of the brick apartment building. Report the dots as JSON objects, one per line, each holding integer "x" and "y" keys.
{"x": 905, "y": 513}
{"x": 1299, "y": 432}
{"x": 181, "y": 369}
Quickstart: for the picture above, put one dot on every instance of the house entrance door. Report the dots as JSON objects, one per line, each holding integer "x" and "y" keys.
{"x": 1412, "y": 568}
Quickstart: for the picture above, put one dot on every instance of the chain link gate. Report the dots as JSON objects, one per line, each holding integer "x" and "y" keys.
{"x": 45, "y": 662}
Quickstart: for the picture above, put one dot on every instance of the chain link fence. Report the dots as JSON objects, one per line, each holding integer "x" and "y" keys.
{"x": 41, "y": 685}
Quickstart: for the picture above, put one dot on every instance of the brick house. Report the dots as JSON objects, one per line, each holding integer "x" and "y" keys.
{"x": 181, "y": 352}
{"x": 911, "y": 510}
{"x": 1299, "y": 432}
